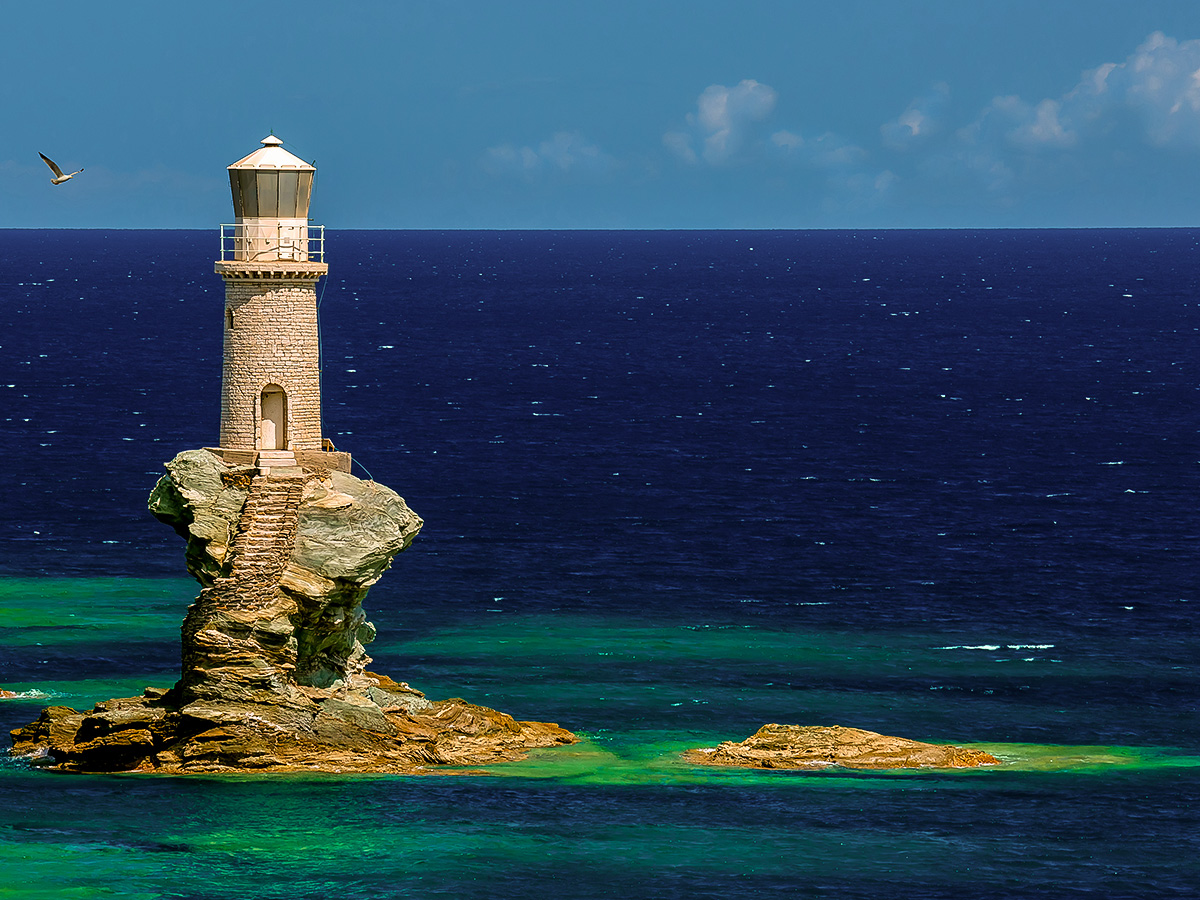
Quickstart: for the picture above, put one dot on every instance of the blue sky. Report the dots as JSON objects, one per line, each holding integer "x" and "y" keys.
{"x": 523, "y": 114}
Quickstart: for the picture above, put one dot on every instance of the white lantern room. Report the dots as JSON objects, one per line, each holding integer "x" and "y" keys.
{"x": 271, "y": 192}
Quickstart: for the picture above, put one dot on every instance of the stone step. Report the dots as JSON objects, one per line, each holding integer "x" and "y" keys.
{"x": 263, "y": 534}
{"x": 268, "y": 515}
{"x": 274, "y": 455}
{"x": 260, "y": 526}
{"x": 272, "y": 507}
{"x": 261, "y": 542}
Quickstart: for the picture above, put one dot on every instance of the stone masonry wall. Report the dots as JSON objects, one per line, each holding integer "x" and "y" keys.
{"x": 270, "y": 338}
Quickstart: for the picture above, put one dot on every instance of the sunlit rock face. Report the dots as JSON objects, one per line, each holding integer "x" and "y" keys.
{"x": 310, "y": 621}
{"x": 820, "y": 746}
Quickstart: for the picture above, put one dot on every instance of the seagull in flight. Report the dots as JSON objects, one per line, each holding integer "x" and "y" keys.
{"x": 59, "y": 177}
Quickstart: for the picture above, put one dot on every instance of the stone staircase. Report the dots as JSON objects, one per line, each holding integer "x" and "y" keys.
{"x": 266, "y": 532}
{"x": 238, "y": 628}
{"x": 269, "y": 460}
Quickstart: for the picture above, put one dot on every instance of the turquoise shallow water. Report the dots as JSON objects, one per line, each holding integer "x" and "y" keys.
{"x": 620, "y": 813}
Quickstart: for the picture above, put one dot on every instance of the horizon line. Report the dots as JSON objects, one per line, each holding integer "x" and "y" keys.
{"x": 647, "y": 229}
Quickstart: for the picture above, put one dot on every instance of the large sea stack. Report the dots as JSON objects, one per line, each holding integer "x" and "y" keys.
{"x": 274, "y": 669}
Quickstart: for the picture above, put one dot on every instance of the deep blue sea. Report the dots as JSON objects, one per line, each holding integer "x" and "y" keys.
{"x": 676, "y": 485}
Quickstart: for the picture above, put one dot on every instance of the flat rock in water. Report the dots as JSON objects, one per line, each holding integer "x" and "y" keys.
{"x": 819, "y": 746}
{"x": 343, "y": 730}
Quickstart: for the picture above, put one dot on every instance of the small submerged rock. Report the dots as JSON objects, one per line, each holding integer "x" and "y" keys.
{"x": 817, "y": 746}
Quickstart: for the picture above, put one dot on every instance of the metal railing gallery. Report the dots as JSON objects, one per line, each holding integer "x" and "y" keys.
{"x": 254, "y": 242}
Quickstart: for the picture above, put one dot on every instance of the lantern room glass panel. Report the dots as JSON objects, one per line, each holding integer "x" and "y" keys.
{"x": 268, "y": 194}
{"x": 304, "y": 196}
{"x": 236, "y": 190}
{"x": 248, "y": 193}
{"x": 289, "y": 187}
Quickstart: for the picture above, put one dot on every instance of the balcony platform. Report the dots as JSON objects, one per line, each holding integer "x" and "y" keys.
{"x": 270, "y": 269}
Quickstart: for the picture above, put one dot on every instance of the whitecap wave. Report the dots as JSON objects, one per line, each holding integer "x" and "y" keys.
{"x": 970, "y": 647}
{"x": 33, "y": 694}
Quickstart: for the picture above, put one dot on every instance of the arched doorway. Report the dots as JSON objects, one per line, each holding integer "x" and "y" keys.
{"x": 272, "y": 423}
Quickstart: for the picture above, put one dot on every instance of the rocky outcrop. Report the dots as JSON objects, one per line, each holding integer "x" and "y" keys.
{"x": 285, "y": 561}
{"x": 343, "y": 731}
{"x": 273, "y": 674}
{"x": 813, "y": 746}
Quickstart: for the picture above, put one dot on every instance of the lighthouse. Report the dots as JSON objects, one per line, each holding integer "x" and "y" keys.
{"x": 270, "y": 260}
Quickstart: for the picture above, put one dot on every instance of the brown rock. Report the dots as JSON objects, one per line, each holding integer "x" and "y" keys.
{"x": 813, "y": 746}
{"x": 54, "y": 729}
{"x": 346, "y": 733}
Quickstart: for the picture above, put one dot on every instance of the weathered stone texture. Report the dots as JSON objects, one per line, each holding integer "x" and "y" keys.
{"x": 271, "y": 337}
{"x": 287, "y": 602}
{"x": 202, "y": 499}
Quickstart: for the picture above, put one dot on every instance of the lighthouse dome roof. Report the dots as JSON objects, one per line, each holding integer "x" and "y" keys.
{"x": 272, "y": 156}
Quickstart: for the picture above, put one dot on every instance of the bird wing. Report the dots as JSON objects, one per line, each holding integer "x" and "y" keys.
{"x": 52, "y": 164}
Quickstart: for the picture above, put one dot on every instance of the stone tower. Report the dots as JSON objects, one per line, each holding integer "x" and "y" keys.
{"x": 271, "y": 259}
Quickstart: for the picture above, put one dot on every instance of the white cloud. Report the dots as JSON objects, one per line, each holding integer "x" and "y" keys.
{"x": 826, "y": 151}
{"x": 1160, "y": 80}
{"x": 723, "y": 122}
{"x": 1153, "y": 96}
{"x": 680, "y": 144}
{"x": 1043, "y": 126}
{"x": 787, "y": 140}
{"x": 565, "y": 151}
{"x": 918, "y": 122}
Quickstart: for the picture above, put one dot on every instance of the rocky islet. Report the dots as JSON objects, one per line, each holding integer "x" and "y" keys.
{"x": 274, "y": 667}
{"x": 823, "y": 746}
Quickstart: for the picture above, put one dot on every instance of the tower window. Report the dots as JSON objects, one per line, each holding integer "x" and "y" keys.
{"x": 229, "y": 319}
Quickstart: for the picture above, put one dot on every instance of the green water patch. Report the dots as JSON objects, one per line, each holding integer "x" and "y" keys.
{"x": 592, "y": 673}
{"x": 568, "y": 640}
{"x": 657, "y": 758}
{"x": 72, "y": 611}
{"x": 615, "y": 810}
{"x": 369, "y": 856}
{"x": 1089, "y": 759}
{"x": 86, "y": 692}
